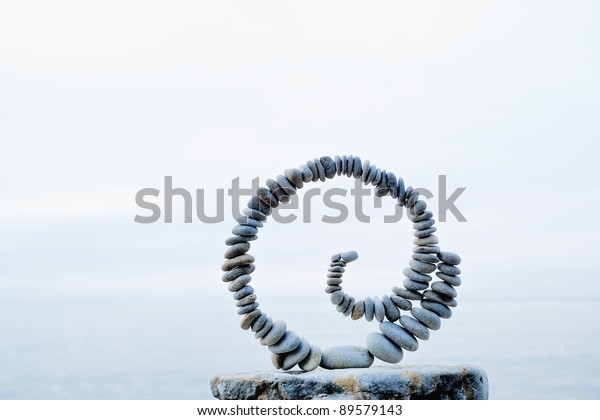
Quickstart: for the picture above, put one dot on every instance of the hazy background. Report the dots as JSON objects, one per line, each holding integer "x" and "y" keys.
{"x": 101, "y": 99}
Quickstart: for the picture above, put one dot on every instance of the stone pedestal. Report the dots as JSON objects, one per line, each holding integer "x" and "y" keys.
{"x": 463, "y": 382}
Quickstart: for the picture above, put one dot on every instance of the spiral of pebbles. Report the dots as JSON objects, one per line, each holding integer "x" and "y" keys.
{"x": 398, "y": 331}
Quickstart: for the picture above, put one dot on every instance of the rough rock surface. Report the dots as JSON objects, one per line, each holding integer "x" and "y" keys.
{"x": 463, "y": 382}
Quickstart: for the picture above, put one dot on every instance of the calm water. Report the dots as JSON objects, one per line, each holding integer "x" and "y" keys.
{"x": 168, "y": 348}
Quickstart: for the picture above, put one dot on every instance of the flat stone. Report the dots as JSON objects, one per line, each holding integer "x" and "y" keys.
{"x": 264, "y": 330}
{"x": 313, "y": 169}
{"x": 437, "y": 297}
{"x": 257, "y": 204}
{"x": 441, "y": 310}
{"x": 334, "y": 281}
{"x": 339, "y": 263}
{"x": 424, "y": 232}
{"x": 407, "y": 294}
{"x": 401, "y": 302}
{"x": 349, "y": 165}
{"x": 244, "y": 230}
{"x": 350, "y": 307}
{"x": 243, "y": 292}
{"x": 245, "y": 220}
{"x": 377, "y": 177}
{"x": 277, "y": 191}
{"x": 392, "y": 313}
{"x": 365, "y": 171}
{"x": 379, "y": 309}
{"x": 338, "y": 165}
{"x": 444, "y": 288}
{"x": 419, "y": 207}
{"x": 415, "y": 275}
{"x": 414, "y": 327}
{"x": 426, "y": 249}
{"x": 383, "y": 349}
{"x": 359, "y": 310}
{"x": 449, "y": 257}
{"x": 415, "y": 285}
{"x": 287, "y": 186}
{"x": 277, "y": 360}
{"x": 294, "y": 357}
{"x": 249, "y": 318}
{"x": 399, "y": 336}
{"x": 369, "y": 309}
{"x": 392, "y": 184}
{"x": 246, "y": 300}
{"x": 336, "y": 269}
{"x": 337, "y": 297}
{"x": 349, "y": 256}
{"x": 343, "y": 305}
{"x": 312, "y": 361}
{"x": 344, "y": 357}
{"x": 420, "y": 266}
{"x": 240, "y": 282}
{"x": 425, "y": 224}
{"x": 428, "y": 240}
{"x": 400, "y": 192}
{"x": 357, "y": 168}
{"x": 255, "y": 214}
{"x": 289, "y": 342}
{"x": 428, "y": 258}
{"x": 295, "y": 177}
{"x": 371, "y": 175}
{"x": 247, "y": 308}
{"x": 329, "y": 166}
{"x": 259, "y": 322}
{"x": 267, "y": 197}
{"x": 237, "y": 249}
{"x": 331, "y": 289}
{"x": 334, "y": 275}
{"x": 232, "y": 240}
{"x": 320, "y": 169}
{"x": 453, "y": 280}
{"x": 451, "y": 270}
{"x": 238, "y": 271}
{"x": 244, "y": 259}
{"x": 411, "y": 198}
{"x": 427, "y": 318}
{"x": 274, "y": 335}
{"x": 381, "y": 191}
{"x": 419, "y": 218}
{"x": 344, "y": 159}
{"x": 306, "y": 173}
{"x": 401, "y": 382}
{"x": 336, "y": 257}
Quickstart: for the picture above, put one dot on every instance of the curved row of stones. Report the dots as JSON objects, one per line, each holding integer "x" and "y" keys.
{"x": 289, "y": 349}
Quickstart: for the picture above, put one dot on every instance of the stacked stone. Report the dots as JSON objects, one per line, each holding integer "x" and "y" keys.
{"x": 287, "y": 348}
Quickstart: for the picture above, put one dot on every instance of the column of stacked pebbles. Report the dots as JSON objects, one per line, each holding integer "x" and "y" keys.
{"x": 436, "y": 298}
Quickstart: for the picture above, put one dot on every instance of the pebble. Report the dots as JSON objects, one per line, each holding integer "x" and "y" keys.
{"x": 320, "y": 170}
{"x": 334, "y": 282}
{"x": 247, "y": 308}
{"x": 256, "y": 204}
{"x": 296, "y": 356}
{"x": 429, "y": 240}
{"x": 277, "y": 360}
{"x": 343, "y": 304}
{"x": 371, "y": 174}
{"x": 426, "y": 249}
{"x": 338, "y": 165}
{"x": 399, "y": 336}
{"x": 369, "y": 309}
{"x": 377, "y": 177}
{"x": 240, "y": 282}
{"x": 349, "y": 165}
{"x": 232, "y": 240}
{"x": 427, "y": 318}
{"x": 350, "y": 307}
{"x": 392, "y": 313}
{"x": 407, "y": 194}
{"x": 246, "y": 300}
{"x": 379, "y": 309}
{"x": 424, "y": 232}
{"x": 277, "y": 191}
{"x": 349, "y": 256}
{"x": 407, "y": 294}
{"x": 437, "y": 297}
{"x": 245, "y": 220}
{"x": 357, "y": 168}
{"x": 312, "y": 361}
{"x": 383, "y": 349}
{"x": 381, "y": 191}
{"x": 249, "y": 318}
{"x": 359, "y": 310}
{"x": 344, "y": 164}
{"x": 365, "y": 171}
{"x": 424, "y": 216}
{"x": 451, "y": 270}
{"x": 329, "y": 166}
{"x": 401, "y": 302}
{"x": 414, "y": 285}
{"x": 344, "y": 357}
{"x": 260, "y": 322}
{"x": 336, "y": 269}
{"x": 311, "y": 165}
{"x": 264, "y": 330}
{"x": 339, "y": 263}
{"x": 428, "y": 258}
{"x": 425, "y": 224}
{"x": 414, "y": 327}
{"x": 255, "y": 214}
{"x": 441, "y": 310}
{"x": 334, "y": 275}
{"x": 444, "y": 288}
{"x": 237, "y": 261}
{"x": 412, "y": 198}
{"x": 267, "y": 197}
{"x": 336, "y": 257}
{"x": 295, "y": 177}
{"x": 449, "y": 257}
{"x": 289, "y": 342}
{"x": 237, "y": 250}
{"x": 337, "y": 297}
{"x": 306, "y": 173}
{"x": 243, "y": 292}
{"x": 419, "y": 207}
{"x": 331, "y": 289}
{"x": 415, "y": 275}
{"x": 275, "y": 333}
{"x": 243, "y": 230}
{"x": 383, "y": 180}
{"x": 238, "y": 271}
{"x": 453, "y": 280}
{"x": 286, "y": 185}
{"x": 420, "y": 266}
{"x": 392, "y": 184}
{"x": 401, "y": 192}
